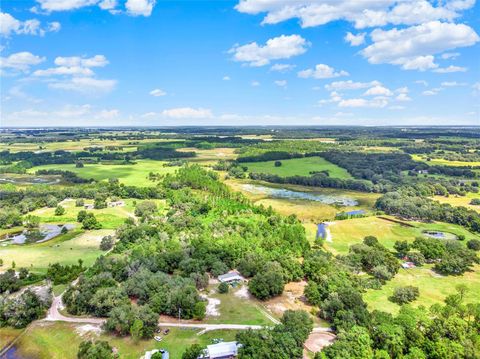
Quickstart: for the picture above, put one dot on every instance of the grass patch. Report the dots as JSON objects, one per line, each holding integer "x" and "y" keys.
{"x": 352, "y": 231}
{"x": 236, "y": 310}
{"x": 298, "y": 167}
{"x": 443, "y": 162}
{"x": 65, "y": 249}
{"x": 47, "y": 340}
{"x": 132, "y": 175}
{"x": 460, "y": 201}
{"x": 7, "y": 335}
{"x": 433, "y": 288}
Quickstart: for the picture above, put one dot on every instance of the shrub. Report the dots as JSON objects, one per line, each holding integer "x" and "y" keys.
{"x": 223, "y": 288}
{"x": 473, "y": 244}
{"x": 59, "y": 211}
{"x": 278, "y": 164}
{"x": 106, "y": 243}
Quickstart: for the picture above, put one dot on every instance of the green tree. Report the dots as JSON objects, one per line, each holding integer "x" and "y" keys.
{"x": 136, "y": 330}
{"x": 192, "y": 352}
{"x": 95, "y": 350}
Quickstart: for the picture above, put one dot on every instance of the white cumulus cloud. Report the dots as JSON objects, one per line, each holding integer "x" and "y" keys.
{"x": 355, "y": 40}
{"x": 20, "y": 61}
{"x": 281, "y": 47}
{"x": 322, "y": 71}
{"x": 140, "y": 7}
{"x": 414, "y": 47}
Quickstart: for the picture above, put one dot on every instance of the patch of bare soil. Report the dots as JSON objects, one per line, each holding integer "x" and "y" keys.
{"x": 318, "y": 341}
{"x": 292, "y": 298}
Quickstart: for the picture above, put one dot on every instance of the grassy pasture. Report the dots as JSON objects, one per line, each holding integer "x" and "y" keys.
{"x": 352, "y": 231}
{"x": 68, "y": 145}
{"x": 47, "y": 341}
{"x": 443, "y": 162}
{"x": 65, "y": 249}
{"x": 433, "y": 287}
{"x": 298, "y": 167}
{"x": 110, "y": 217}
{"x": 460, "y": 201}
{"x": 132, "y": 175}
{"x": 209, "y": 157}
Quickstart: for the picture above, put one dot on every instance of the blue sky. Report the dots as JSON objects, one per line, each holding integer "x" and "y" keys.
{"x": 244, "y": 62}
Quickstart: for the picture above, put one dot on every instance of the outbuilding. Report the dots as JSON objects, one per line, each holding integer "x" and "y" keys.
{"x": 231, "y": 277}
{"x": 222, "y": 350}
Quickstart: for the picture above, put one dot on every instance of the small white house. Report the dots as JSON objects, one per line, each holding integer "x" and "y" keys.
{"x": 231, "y": 277}
{"x": 222, "y": 350}
{"x": 88, "y": 206}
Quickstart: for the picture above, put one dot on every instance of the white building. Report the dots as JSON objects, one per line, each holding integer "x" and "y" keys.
{"x": 230, "y": 277}
{"x": 223, "y": 350}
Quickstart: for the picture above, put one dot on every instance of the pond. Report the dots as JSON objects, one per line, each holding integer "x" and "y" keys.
{"x": 440, "y": 235}
{"x": 28, "y": 180}
{"x": 11, "y": 353}
{"x": 37, "y": 235}
{"x": 289, "y": 194}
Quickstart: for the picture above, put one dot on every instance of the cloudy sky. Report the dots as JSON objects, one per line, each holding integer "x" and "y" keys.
{"x": 242, "y": 62}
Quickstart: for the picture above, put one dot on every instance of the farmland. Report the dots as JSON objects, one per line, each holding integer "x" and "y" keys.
{"x": 173, "y": 235}
{"x": 128, "y": 174}
{"x": 298, "y": 167}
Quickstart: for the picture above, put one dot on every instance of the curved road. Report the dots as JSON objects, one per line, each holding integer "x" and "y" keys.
{"x": 55, "y": 315}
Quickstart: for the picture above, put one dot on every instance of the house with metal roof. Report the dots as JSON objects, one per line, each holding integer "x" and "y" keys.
{"x": 231, "y": 277}
{"x": 224, "y": 350}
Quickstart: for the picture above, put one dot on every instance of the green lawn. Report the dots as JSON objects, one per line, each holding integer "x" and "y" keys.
{"x": 443, "y": 162}
{"x": 65, "y": 249}
{"x": 298, "y": 167}
{"x": 236, "y": 310}
{"x": 460, "y": 201}
{"x": 352, "y": 231}
{"x": 110, "y": 217}
{"x": 49, "y": 341}
{"x": 133, "y": 175}
{"x": 433, "y": 288}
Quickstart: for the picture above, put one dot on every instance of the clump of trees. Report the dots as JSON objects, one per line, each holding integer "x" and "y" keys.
{"x": 88, "y": 220}
{"x": 268, "y": 282}
{"x": 404, "y": 295}
{"x": 19, "y": 311}
{"x": 95, "y": 350}
{"x": 285, "y": 340}
{"x": 62, "y": 274}
{"x": 107, "y": 243}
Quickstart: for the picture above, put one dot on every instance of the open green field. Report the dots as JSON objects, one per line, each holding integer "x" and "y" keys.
{"x": 460, "y": 201}
{"x": 65, "y": 249}
{"x": 235, "y": 309}
{"x": 57, "y": 340}
{"x": 77, "y": 145}
{"x": 443, "y": 162}
{"x": 298, "y": 167}
{"x": 110, "y": 217}
{"x": 433, "y": 287}
{"x": 352, "y": 231}
{"x": 132, "y": 175}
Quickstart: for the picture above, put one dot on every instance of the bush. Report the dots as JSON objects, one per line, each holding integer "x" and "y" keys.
{"x": 403, "y": 295}
{"x": 106, "y": 243}
{"x": 59, "y": 211}
{"x": 473, "y": 244}
{"x": 223, "y": 288}
{"x": 79, "y": 202}
{"x": 278, "y": 164}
